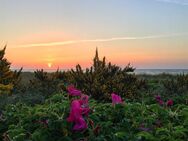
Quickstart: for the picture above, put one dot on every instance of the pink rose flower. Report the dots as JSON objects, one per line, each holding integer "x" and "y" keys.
{"x": 73, "y": 91}
{"x": 158, "y": 97}
{"x": 79, "y": 108}
{"x": 84, "y": 104}
{"x": 116, "y": 99}
{"x": 75, "y": 116}
{"x": 169, "y": 103}
{"x": 159, "y": 100}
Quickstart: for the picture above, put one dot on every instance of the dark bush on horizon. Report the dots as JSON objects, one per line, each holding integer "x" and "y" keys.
{"x": 45, "y": 83}
{"x": 8, "y": 79}
{"x": 176, "y": 85}
{"x": 102, "y": 78}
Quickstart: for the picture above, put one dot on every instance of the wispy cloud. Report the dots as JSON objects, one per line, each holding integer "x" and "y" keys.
{"x": 179, "y": 2}
{"x": 62, "y": 43}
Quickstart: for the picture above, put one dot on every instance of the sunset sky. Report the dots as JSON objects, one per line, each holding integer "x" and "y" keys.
{"x": 62, "y": 33}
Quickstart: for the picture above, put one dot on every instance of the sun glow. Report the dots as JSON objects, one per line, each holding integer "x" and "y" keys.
{"x": 49, "y": 65}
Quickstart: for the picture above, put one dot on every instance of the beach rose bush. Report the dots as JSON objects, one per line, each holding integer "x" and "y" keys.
{"x": 60, "y": 118}
{"x": 168, "y": 103}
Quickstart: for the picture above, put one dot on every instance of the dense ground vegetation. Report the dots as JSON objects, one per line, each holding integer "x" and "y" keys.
{"x": 135, "y": 121}
{"x": 35, "y": 106}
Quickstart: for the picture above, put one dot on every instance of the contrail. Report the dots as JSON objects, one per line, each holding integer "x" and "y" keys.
{"x": 97, "y": 40}
{"x": 179, "y": 2}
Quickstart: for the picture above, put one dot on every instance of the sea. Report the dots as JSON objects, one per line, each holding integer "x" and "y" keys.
{"x": 161, "y": 71}
{"x": 137, "y": 71}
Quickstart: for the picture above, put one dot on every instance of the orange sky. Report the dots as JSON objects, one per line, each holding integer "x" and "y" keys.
{"x": 43, "y": 34}
{"x": 67, "y": 56}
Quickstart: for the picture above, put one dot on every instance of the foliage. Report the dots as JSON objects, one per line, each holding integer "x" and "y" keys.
{"x": 135, "y": 121}
{"x": 6, "y": 89}
{"x": 8, "y": 78}
{"x": 35, "y": 113}
{"x": 45, "y": 83}
{"x": 176, "y": 85}
{"x": 101, "y": 79}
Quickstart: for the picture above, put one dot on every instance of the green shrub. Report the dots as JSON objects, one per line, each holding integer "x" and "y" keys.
{"x": 128, "y": 121}
{"x": 177, "y": 84}
{"x": 8, "y": 79}
{"x": 101, "y": 79}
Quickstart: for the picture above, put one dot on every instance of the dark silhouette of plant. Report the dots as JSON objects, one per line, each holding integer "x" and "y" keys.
{"x": 8, "y": 79}
{"x": 102, "y": 78}
{"x": 46, "y": 83}
{"x": 177, "y": 84}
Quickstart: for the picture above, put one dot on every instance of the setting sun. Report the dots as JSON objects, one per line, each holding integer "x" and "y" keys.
{"x": 49, "y": 65}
